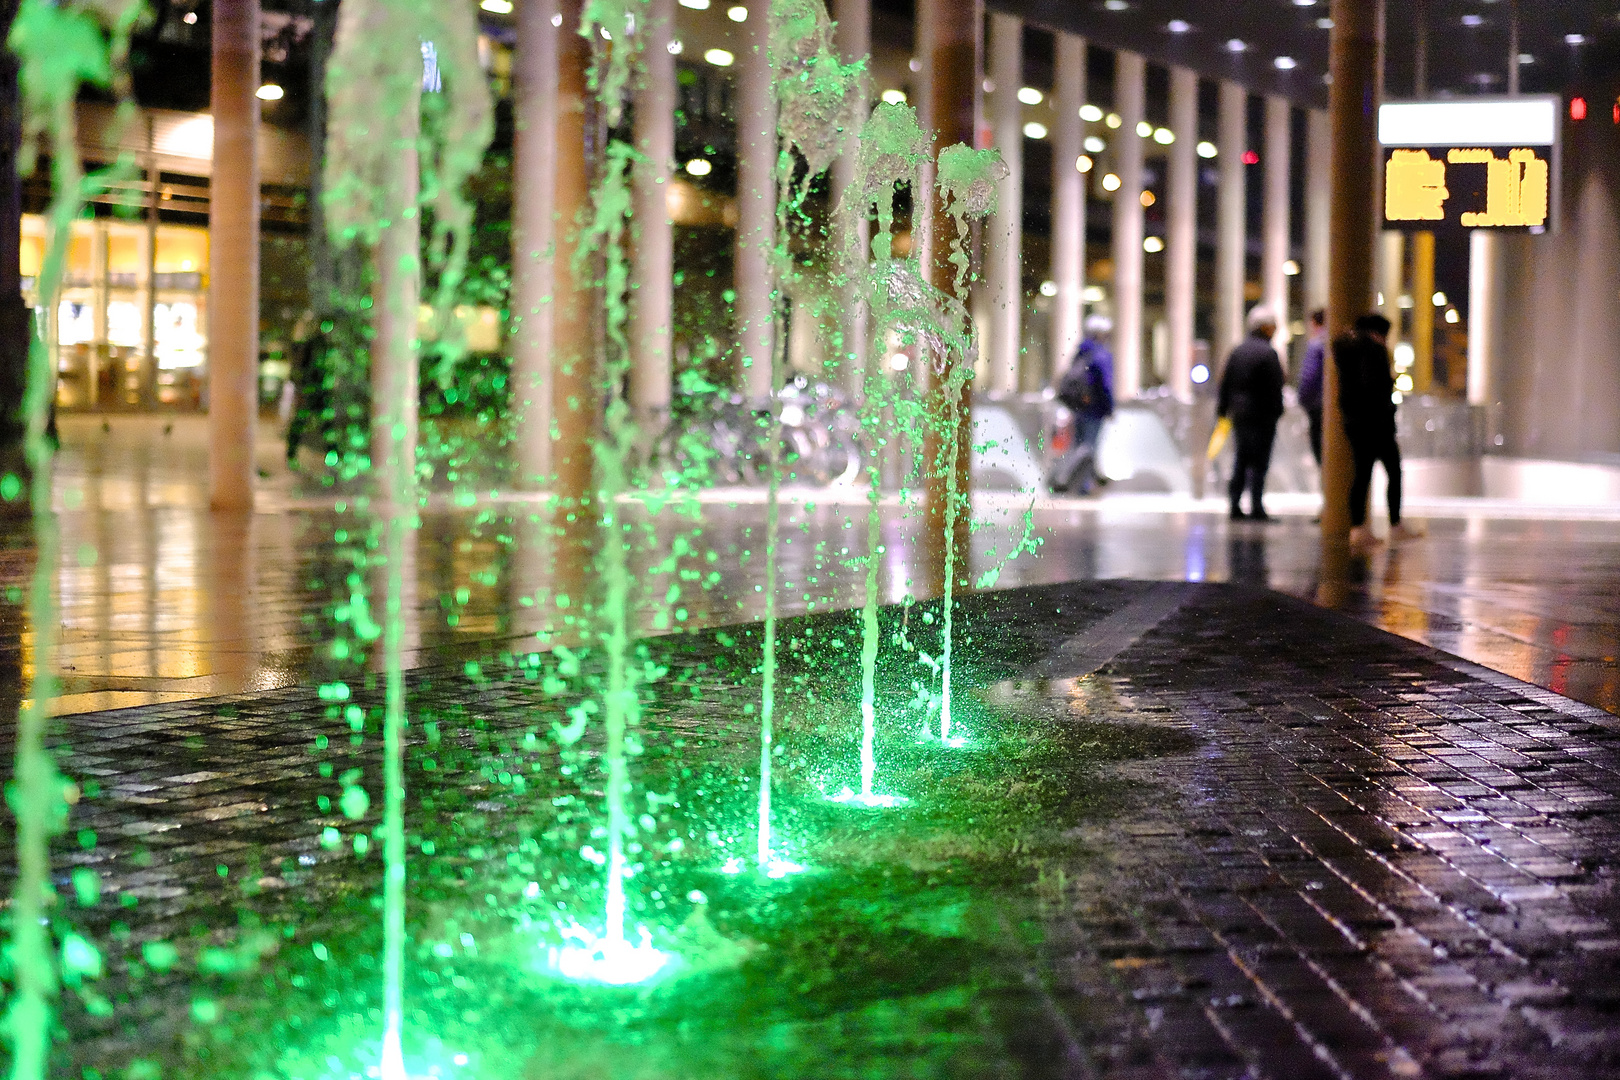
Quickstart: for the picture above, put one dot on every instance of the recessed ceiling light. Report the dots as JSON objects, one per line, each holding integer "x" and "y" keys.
{"x": 1048, "y": 288}
{"x": 1472, "y": 20}
{"x": 1164, "y": 136}
{"x": 699, "y": 167}
{"x": 1324, "y": 23}
{"x": 1152, "y": 244}
{"x": 271, "y": 92}
{"x": 1285, "y": 63}
{"x": 696, "y": 5}
{"x": 1110, "y": 182}
{"x": 719, "y": 58}
{"x": 1113, "y": 120}
{"x": 1178, "y": 26}
{"x": 1527, "y": 58}
{"x": 1030, "y": 96}
{"x": 1207, "y": 150}
{"x": 894, "y": 97}
{"x": 737, "y": 13}
{"x": 1236, "y": 45}
{"x": 1090, "y": 113}
{"x": 1083, "y": 163}
{"x": 1574, "y": 39}
{"x": 1144, "y": 129}
{"x": 189, "y": 18}
{"x": 1304, "y": 3}
{"x": 1095, "y": 145}
{"x": 1115, "y": 5}
{"x": 1032, "y": 130}
{"x": 915, "y": 64}
{"x": 497, "y": 7}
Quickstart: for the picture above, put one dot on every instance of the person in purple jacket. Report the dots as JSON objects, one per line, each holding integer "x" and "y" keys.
{"x": 1310, "y": 379}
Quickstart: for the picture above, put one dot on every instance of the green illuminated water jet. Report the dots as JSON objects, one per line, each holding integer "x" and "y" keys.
{"x": 60, "y": 48}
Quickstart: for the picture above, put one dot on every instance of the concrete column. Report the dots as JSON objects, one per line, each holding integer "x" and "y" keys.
{"x": 922, "y": 47}
{"x": 755, "y": 278}
{"x": 1068, "y": 200}
{"x": 1356, "y": 51}
{"x": 1275, "y": 227}
{"x": 154, "y": 199}
{"x": 1422, "y": 312}
{"x": 396, "y": 300}
{"x": 1318, "y": 199}
{"x": 99, "y": 354}
{"x": 534, "y": 172}
{"x": 853, "y": 37}
{"x": 572, "y": 360}
{"x": 1005, "y": 237}
{"x": 1130, "y": 100}
{"x": 1391, "y": 265}
{"x": 653, "y": 276}
{"x": 1231, "y": 225}
{"x": 1485, "y": 300}
{"x": 1181, "y": 229}
{"x": 233, "y": 256}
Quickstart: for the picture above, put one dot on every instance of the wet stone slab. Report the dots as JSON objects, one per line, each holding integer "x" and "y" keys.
{"x": 1195, "y": 831}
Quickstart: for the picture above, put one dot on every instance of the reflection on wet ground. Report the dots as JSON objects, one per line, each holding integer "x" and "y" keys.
{"x": 163, "y": 600}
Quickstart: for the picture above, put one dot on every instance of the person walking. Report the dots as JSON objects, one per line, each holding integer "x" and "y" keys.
{"x": 1310, "y": 380}
{"x": 1252, "y": 398}
{"x": 1087, "y": 390}
{"x": 1367, "y": 403}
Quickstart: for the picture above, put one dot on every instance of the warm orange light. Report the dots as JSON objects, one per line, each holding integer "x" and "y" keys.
{"x": 1148, "y": 198}
{"x": 1577, "y": 108}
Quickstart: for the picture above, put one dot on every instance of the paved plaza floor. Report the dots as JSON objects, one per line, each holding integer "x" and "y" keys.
{"x": 1201, "y": 827}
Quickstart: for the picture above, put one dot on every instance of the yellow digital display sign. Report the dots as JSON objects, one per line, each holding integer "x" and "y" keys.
{"x": 1469, "y": 187}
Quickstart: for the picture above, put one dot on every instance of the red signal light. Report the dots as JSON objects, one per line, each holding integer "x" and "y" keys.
{"x": 1250, "y": 157}
{"x": 1577, "y": 108}
{"x": 1617, "y": 110}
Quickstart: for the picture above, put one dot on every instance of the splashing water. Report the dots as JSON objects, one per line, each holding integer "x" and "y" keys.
{"x": 967, "y": 184}
{"x": 380, "y": 131}
{"x": 60, "y": 48}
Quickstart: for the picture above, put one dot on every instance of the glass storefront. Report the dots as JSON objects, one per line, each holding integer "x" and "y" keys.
{"x": 131, "y": 328}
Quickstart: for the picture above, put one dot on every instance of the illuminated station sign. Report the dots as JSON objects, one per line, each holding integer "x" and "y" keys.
{"x": 1472, "y": 163}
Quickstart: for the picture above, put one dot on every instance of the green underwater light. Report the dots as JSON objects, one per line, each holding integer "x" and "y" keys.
{"x": 610, "y": 959}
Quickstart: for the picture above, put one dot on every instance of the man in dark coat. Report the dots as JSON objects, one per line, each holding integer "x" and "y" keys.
{"x": 1367, "y": 404}
{"x": 1252, "y": 398}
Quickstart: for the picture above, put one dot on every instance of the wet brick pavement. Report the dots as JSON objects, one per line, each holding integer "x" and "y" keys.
{"x": 1378, "y": 861}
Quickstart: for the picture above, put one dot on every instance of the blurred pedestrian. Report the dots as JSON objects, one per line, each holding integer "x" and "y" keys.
{"x": 1252, "y": 398}
{"x": 1087, "y": 391}
{"x": 1367, "y": 404}
{"x": 1310, "y": 379}
{"x": 308, "y": 382}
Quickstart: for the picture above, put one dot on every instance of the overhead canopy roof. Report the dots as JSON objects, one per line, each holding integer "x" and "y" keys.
{"x": 1243, "y": 40}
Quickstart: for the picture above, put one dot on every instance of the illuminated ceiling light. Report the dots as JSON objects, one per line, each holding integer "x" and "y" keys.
{"x": 914, "y": 64}
{"x": 1153, "y": 245}
{"x": 989, "y": 86}
{"x": 737, "y": 13}
{"x": 1324, "y": 23}
{"x": 1178, "y": 26}
{"x": 1113, "y": 120}
{"x": 699, "y": 167}
{"x": 1304, "y": 3}
{"x": 1439, "y": 299}
{"x": 1526, "y": 58}
{"x": 1164, "y": 136}
{"x": 1236, "y": 45}
{"x": 1473, "y": 20}
{"x": 1083, "y": 163}
{"x": 696, "y": 5}
{"x": 1291, "y": 268}
{"x": 1033, "y": 130}
{"x": 1111, "y": 182}
{"x": 1148, "y": 198}
{"x": 1090, "y": 113}
{"x": 1048, "y": 288}
{"x": 496, "y": 7}
{"x": 1574, "y": 39}
{"x": 719, "y": 58}
{"x": 899, "y": 361}
{"x": 1285, "y": 63}
{"x": 1144, "y": 129}
{"x": 1452, "y": 317}
{"x": 1115, "y": 5}
{"x": 189, "y": 18}
{"x": 1095, "y": 145}
{"x": 1093, "y": 294}
{"x": 894, "y": 97}
{"x": 556, "y": 18}
{"x": 676, "y": 48}
{"x": 271, "y": 92}
{"x": 1207, "y": 149}
{"x": 1030, "y": 96}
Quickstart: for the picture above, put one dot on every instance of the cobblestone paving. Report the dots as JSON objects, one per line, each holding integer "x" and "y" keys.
{"x": 1382, "y": 862}
{"x": 1378, "y": 861}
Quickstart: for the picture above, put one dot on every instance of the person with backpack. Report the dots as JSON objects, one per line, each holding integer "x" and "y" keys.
{"x": 1087, "y": 391}
{"x": 1252, "y": 398}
